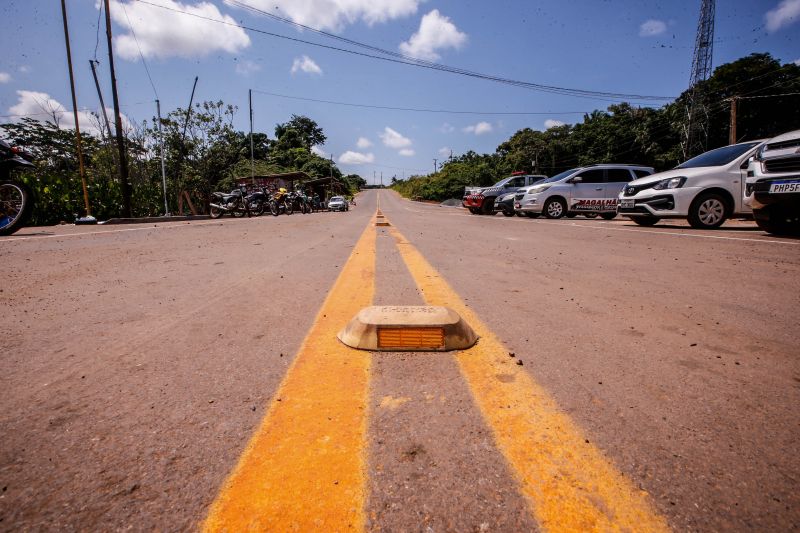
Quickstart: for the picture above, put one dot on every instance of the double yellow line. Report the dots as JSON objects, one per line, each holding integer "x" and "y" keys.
{"x": 305, "y": 469}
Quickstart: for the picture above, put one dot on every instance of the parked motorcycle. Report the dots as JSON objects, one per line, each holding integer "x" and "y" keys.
{"x": 233, "y": 203}
{"x": 300, "y": 202}
{"x": 16, "y": 199}
{"x": 257, "y": 202}
{"x": 281, "y": 202}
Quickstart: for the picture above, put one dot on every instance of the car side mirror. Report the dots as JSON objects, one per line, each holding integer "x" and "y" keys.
{"x": 576, "y": 179}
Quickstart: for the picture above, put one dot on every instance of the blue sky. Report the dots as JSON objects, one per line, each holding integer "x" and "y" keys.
{"x": 642, "y": 47}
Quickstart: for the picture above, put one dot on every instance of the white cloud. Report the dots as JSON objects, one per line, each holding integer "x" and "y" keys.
{"x": 335, "y": 14}
{"x": 552, "y": 123}
{"x": 163, "y": 33}
{"x": 41, "y": 106}
{"x": 393, "y": 139}
{"x": 363, "y": 142}
{"x": 445, "y": 151}
{"x": 407, "y": 152}
{"x": 306, "y": 64}
{"x": 652, "y": 27}
{"x": 787, "y": 13}
{"x": 5, "y": 77}
{"x": 355, "y": 158}
{"x": 25, "y": 69}
{"x": 447, "y": 128}
{"x": 478, "y": 129}
{"x": 246, "y": 67}
{"x": 797, "y": 62}
{"x": 435, "y": 32}
{"x": 317, "y": 150}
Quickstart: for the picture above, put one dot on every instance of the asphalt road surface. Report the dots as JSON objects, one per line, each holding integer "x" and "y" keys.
{"x": 180, "y": 376}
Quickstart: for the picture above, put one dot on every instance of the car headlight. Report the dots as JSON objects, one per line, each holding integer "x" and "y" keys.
{"x": 540, "y": 189}
{"x": 670, "y": 183}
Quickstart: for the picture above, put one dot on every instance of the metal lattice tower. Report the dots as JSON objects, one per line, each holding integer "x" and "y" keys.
{"x": 696, "y": 129}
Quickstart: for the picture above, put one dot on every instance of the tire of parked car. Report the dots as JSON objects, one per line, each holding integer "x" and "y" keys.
{"x": 776, "y": 221}
{"x": 646, "y": 221}
{"x": 708, "y": 211}
{"x": 488, "y": 206}
{"x": 608, "y": 216}
{"x": 555, "y": 208}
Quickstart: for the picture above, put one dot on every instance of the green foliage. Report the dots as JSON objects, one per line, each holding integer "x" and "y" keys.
{"x": 627, "y": 134}
{"x": 208, "y": 157}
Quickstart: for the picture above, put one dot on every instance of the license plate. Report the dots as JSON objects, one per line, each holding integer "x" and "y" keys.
{"x": 785, "y": 186}
{"x": 627, "y": 204}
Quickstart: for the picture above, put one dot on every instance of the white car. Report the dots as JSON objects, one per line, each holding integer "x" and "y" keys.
{"x": 706, "y": 190}
{"x": 773, "y": 184}
{"x": 589, "y": 190}
{"x": 338, "y": 203}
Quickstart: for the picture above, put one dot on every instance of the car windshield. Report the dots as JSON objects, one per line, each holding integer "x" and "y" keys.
{"x": 718, "y": 157}
{"x": 558, "y": 177}
{"x": 336, "y": 199}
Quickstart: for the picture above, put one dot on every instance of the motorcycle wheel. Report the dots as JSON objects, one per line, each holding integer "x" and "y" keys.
{"x": 16, "y": 204}
{"x": 289, "y": 208}
{"x": 273, "y": 208}
{"x": 215, "y": 212}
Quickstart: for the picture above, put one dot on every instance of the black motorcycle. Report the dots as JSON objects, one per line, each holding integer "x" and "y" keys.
{"x": 16, "y": 199}
{"x": 233, "y": 203}
{"x": 301, "y": 202}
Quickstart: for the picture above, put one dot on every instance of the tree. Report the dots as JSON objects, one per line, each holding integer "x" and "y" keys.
{"x": 307, "y": 131}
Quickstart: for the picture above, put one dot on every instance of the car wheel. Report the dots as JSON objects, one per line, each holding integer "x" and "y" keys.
{"x": 555, "y": 208}
{"x": 474, "y": 210}
{"x": 488, "y": 206}
{"x": 708, "y": 211}
{"x": 608, "y": 216}
{"x": 777, "y": 221}
{"x": 646, "y": 221}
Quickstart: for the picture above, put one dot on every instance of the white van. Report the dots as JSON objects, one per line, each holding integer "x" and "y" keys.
{"x": 591, "y": 189}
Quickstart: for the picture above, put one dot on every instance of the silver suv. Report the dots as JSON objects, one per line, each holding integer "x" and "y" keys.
{"x": 588, "y": 190}
{"x": 773, "y": 184}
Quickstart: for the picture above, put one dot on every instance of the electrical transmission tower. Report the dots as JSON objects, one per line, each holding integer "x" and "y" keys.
{"x": 696, "y": 129}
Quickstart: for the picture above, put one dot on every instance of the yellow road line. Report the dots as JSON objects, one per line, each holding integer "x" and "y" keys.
{"x": 569, "y": 482}
{"x": 305, "y": 467}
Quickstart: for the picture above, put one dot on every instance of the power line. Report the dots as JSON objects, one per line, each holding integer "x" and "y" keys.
{"x": 422, "y": 110}
{"x": 431, "y": 64}
{"x": 147, "y": 70}
{"x": 405, "y": 60}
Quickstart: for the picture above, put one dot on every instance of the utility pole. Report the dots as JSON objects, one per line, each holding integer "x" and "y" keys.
{"x": 381, "y": 179}
{"x": 123, "y": 159}
{"x": 732, "y": 135}
{"x": 163, "y": 164}
{"x": 94, "y": 64}
{"x": 374, "y": 181}
{"x": 252, "y": 157}
{"x": 78, "y": 145}
{"x": 435, "y": 168}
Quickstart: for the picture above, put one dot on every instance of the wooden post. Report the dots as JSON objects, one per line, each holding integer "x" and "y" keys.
{"x": 732, "y": 136}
